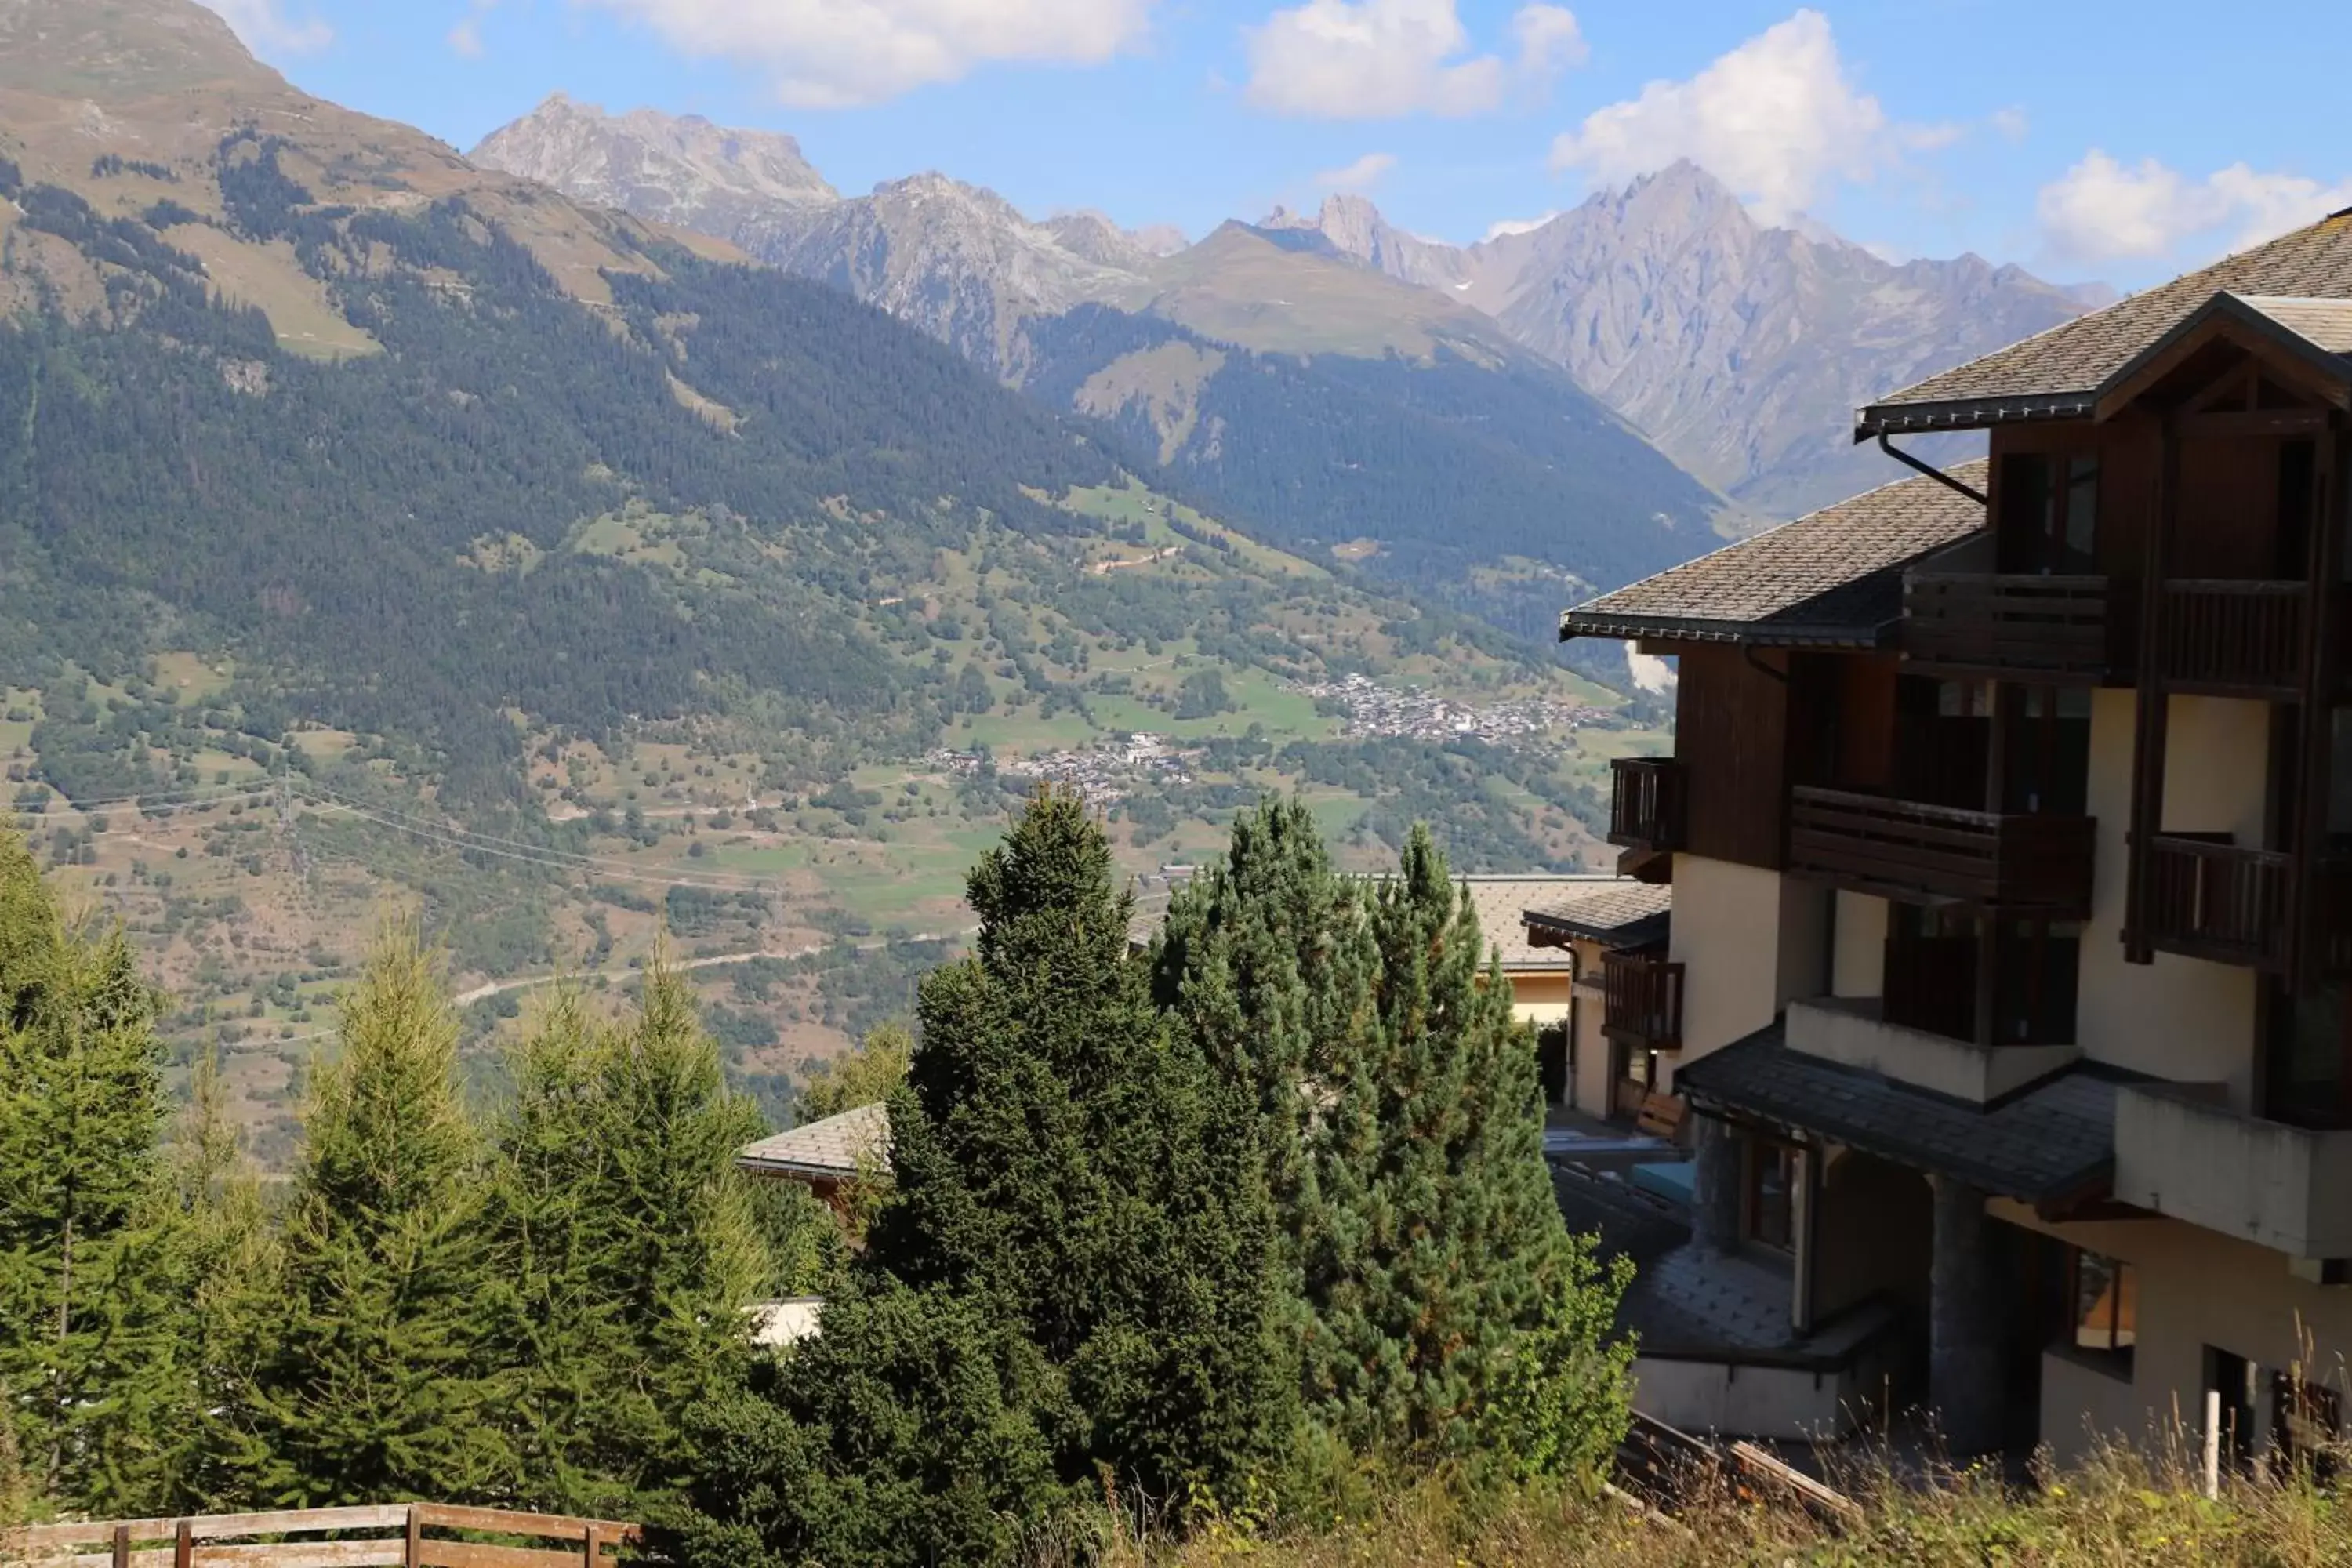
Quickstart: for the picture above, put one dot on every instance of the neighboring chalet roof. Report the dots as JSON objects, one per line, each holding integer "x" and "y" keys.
{"x": 1618, "y": 913}
{"x": 1831, "y": 579}
{"x": 2054, "y": 1141}
{"x": 2057, "y": 375}
{"x": 1502, "y": 900}
{"x": 832, "y": 1150}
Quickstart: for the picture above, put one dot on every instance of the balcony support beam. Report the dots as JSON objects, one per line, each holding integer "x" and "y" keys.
{"x": 2322, "y": 679}
{"x": 2148, "y": 731}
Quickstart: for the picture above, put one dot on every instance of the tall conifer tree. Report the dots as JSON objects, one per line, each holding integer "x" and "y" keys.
{"x": 1455, "y": 1314}
{"x": 84, "y": 1306}
{"x": 1076, "y": 1274}
{"x": 628, "y": 1247}
{"x": 373, "y": 1388}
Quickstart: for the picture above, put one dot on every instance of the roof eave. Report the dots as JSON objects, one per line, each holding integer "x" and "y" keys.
{"x": 801, "y": 1168}
{"x": 1972, "y": 414}
{"x": 1574, "y": 624}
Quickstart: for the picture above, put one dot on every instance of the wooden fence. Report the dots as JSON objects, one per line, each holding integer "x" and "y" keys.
{"x": 395, "y": 1535}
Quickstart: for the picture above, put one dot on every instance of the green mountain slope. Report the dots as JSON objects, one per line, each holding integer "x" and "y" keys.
{"x": 370, "y": 527}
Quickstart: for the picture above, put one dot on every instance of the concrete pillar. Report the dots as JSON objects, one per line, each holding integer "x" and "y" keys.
{"x": 1715, "y": 1184}
{"x": 1965, "y": 1383}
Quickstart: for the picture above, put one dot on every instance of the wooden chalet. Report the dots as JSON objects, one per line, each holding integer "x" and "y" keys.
{"x": 2010, "y": 821}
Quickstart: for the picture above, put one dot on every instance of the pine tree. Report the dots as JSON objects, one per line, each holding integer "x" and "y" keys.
{"x": 1267, "y": 958}
{"x": 1076, "y": 1274}
{"x": 627, "y": 1247}
{"x": 1455, "y": 1313}
{"x": 373, "y": 1389}
{"x": 84, "y": 1308}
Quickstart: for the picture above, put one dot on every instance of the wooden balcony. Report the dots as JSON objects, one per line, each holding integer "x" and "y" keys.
{"x": 2206, "y": 898}
{"x": 1644, "y": 1001}
{"x": 1645, "y": 809}
{"x": 1916, "y": 853}
{"x": 1981, "y": 625}
{"x": 2225, "y": 638}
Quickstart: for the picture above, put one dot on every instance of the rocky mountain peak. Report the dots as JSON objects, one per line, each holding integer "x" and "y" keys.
{"x": 673, "y": 169}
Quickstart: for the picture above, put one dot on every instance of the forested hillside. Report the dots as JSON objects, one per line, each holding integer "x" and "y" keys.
{"x": 375, "y": 527}
{"x": 1437, "y": 472}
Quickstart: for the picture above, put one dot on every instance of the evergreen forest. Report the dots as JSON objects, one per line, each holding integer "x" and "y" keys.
{"x": 1220, "y": 1230}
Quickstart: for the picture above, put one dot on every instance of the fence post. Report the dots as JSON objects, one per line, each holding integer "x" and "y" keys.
{"x": 595, "y": 1547}
{"x": 2212, "y": 1477}
{"x": 410, "y": 1558}
{"x": 184, "y": 1545}
{"x": 122, "y": 1546}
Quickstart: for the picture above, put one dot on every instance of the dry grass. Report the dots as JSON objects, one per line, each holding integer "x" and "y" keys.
{"x": 2121, "y": 1507}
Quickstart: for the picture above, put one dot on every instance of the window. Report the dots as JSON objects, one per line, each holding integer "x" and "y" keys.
{"x": 1771, "y": 1194}
{"x": 2106, "y": 1304}
{"x": 2050, "y": 512}
{"x": 2305, "y": 1421}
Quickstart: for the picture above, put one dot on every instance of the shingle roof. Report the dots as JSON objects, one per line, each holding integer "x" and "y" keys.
{"x": 1623, "y": 912}
{"x": 1499, "y": 901}
{"x": 2056, "y": 1140}
{"x": 837, "y": 1147}
{"x": 2053, "y": 372}
{"x": 1832, "y": 578}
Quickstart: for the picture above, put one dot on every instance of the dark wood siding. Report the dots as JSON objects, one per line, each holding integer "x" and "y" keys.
{"x": 1731, "y": 736}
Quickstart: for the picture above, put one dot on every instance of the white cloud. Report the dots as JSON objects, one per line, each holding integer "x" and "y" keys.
{"x": 466, "y": 38}
{"x": 2105, "y": 210}
{"x": 834, "y": 54}
{"x": 1368, "y": 59}
{"x": 266, "y": 29}
{"x": 1359, "y": 176}
{"x": 1511, "y": 225}
{"x": 1775, "y": 119}
{"x": 2012, "y": 123}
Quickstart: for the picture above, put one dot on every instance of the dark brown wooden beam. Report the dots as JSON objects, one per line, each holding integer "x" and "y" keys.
{"x": 2148, "y": 728}
{"x": 2323, "y": 675}
{"x": 2236, "y": 424}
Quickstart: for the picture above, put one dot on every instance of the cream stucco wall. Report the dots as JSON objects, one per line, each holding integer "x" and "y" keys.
{"x": 1751, "y": 940}
{"x": 1860, "y": 937}
{"x": 1539, "y": 998}
{"x": 1589, "y": 1074}
{"x": 2196, "y": 1289}
{"x": 2179, "y": 1018}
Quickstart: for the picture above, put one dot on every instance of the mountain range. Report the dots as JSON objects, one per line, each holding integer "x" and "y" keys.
{"x": 1326, "y": 404}
{"x": 374, "y": 525}
{"x": 1737, "y": 349}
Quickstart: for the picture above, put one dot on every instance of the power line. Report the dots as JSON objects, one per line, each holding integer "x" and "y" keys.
{"x": 391, "y": 817}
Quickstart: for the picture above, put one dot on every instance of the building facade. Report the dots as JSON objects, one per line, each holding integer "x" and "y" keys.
{"x": 2010, "y": 826}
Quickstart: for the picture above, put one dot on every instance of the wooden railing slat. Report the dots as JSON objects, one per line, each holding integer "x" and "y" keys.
{"x": 452, "y": 1517}
{"x": 473, "y": 1554}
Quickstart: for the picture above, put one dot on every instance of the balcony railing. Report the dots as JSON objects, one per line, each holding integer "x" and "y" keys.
{"x": 1933, "y": 853}
{"x": 2206, "y": 898}
{"x": 2193, "y": 1158}
{"x": 1646, "y": 811}
{"x": 2232, "y": 639}
{"x": 1644, "y": 1001}
{"x": 1981, "y": 625}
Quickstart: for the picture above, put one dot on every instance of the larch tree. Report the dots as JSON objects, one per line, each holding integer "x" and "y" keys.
{"x": 628, "y": 1248}
{"x": 84, "y": 1308}
{"x": 373, "y": 1388}
{"x": 223, "y": 1261}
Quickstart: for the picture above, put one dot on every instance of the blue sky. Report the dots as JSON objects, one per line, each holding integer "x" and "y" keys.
{"x": 2080, "y": 138}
